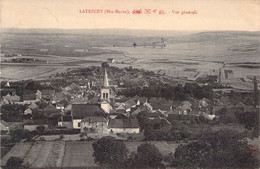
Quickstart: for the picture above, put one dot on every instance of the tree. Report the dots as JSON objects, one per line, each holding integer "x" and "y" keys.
{"x": 17, "y": 134}
{"x": 105, "y": 65}
{"x": 14, "y": 162}
{"x": 40, "y": 129}
{"x": 147, "y": 156}
{"x": 223, "y": 149}
{"x": 110, "y": 151}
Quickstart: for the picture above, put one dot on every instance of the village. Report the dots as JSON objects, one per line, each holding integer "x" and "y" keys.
{"x": 86, "y": 104}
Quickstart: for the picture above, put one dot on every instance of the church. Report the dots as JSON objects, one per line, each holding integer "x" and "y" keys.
{"x": 92, "y": 116}
{"x": 81, "y": 111}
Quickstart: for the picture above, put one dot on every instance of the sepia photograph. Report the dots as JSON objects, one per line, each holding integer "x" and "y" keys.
{"x": 120, "y": 84}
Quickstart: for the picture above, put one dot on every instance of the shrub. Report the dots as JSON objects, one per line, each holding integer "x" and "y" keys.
{"x": 40, "y": 129}
{"x": 14, "y": 162}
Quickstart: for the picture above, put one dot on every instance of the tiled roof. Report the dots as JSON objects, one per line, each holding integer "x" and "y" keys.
{"x": 79, "y": 111}
{"x": 33, "y": 106}
{"x": 123, "y": 123}
{"x": 29, "y": 95}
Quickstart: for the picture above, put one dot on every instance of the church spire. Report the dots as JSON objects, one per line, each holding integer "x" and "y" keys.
{"x": 106, "y": 84}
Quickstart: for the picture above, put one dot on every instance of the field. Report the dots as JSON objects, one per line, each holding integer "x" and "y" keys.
{"x": 69, "y": 154}
{"x": 185, "y": 55}
{"x": 78, "y": 154}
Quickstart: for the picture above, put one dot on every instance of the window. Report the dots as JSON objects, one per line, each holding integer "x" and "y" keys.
{"x": 106, "y": 95}
{"x": 78, "y": 124}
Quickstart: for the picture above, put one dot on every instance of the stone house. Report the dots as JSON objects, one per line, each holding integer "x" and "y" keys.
{"x": 94, "y": 124}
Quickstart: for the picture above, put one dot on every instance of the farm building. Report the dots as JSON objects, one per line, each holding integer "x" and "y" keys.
{"x": 123, "y": 126}
{"x": 94, "y": 123}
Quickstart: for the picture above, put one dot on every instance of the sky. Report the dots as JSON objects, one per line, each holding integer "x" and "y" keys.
{"x": 241, "y": 15}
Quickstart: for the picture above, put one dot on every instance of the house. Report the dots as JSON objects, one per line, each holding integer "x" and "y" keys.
{"x": 148, "y": 106}
{"x": 11, "y": 98}
{"x": 121, "y": 116}
{"x": 94, "y": 124}
{"x": 133, "y": 102}
{"x": 111, "y": 60}
{"x": 58, "y": 96}
{"x": 80, "y": 111}
{"x": 239, "y": 106}
{"x": 4, "y": 127}
{"x": 71, "y": 87}
{"x": 65, "y": 121}
{"x": 184, "y": 108}
{"x": 68, "y": 108}
{"x": 30, "y": 97}
{"x": 44, "y": 94}
{"x": 49, "y": 111}
{"x": 123, "y": 126}
{"x": 30, "y": 108}
{"x": 204, "y": 102}
{"x": 135, "y": 111}
{"x": 160, "y": 124}
{"x": 32, "y": 125}
{"x": 62, "y": 104}
{"x": 161, "y": 104}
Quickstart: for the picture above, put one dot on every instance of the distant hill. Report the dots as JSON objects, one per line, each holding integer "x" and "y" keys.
{"x": 117, "y": 32}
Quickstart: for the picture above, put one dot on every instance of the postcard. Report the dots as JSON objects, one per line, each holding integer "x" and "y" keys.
{"x": 130, "y": 84}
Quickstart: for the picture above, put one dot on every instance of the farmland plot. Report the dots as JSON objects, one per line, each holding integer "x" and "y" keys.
{"x": 19, "y": 150}
{"x": 78, "y": 154}
{"x": 56, "y": 154}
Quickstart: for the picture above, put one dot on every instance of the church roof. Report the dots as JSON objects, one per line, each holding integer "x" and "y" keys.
{"x": 79, "y": 111}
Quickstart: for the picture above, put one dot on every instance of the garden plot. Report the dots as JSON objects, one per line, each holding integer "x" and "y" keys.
{"x": 38, "y": 154}
{"x": 56, "y": 154}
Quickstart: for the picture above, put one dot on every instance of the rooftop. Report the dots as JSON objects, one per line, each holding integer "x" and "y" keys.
{"x": 82, "y": 110}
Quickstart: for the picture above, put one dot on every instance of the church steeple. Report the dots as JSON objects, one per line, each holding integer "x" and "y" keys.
{"x": 105, "y": 94}
{"x": 105, "y": 84}
{"x": 105, "y": 91}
